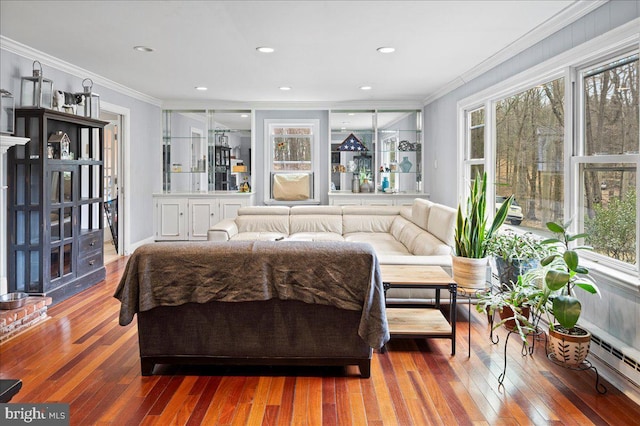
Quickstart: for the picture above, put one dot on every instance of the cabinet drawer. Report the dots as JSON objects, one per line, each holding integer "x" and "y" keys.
{"x": 89, "y": 263}
{"x": 89, "y": 242}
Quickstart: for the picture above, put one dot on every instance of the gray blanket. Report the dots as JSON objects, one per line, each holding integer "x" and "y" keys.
{"x": 342, "y": 274}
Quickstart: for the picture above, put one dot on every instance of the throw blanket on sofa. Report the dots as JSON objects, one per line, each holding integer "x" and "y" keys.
{"x": 344, "y": 275}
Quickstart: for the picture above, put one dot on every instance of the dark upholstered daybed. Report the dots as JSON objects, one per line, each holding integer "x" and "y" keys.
{"x": 263, "y": 303}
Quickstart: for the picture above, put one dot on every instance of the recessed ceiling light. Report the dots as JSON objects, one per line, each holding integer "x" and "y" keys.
{"x": 244, "y": 115}
{"x": 143, "y": 48}
{"x": 285, "y": 88}
{"x": 265, "y": 49}
{"x": 386, "y": 49}
{"x": 351, "y": 113}
{"x": 365, "y": 87}
{"x": 201, "y": 88}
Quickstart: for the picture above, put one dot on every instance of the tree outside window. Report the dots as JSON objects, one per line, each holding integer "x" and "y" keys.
{"x": 609, "y": 165}
{"x": 530, "y": 152}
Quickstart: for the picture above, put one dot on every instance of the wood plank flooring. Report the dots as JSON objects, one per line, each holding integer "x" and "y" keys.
{"x": 81, "y": 356}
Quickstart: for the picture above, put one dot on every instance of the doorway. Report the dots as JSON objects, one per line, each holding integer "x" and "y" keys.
{"x": 111, "y": 185}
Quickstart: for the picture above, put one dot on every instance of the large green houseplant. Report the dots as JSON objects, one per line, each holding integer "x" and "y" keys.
{"x": 568, "y": 342}
{"x": 471, "y": 233}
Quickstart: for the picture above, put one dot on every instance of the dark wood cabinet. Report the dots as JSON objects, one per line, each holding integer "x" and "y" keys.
{"x": 222, "y": 167}
{"x": 55, "y": 204}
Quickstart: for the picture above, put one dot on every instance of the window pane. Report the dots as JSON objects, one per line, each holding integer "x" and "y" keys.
{"x": 529, "y": 154}
{"x": 609, "y": 209}
{"x": 291, "y": 148}
{"x": 476, "y": 134}
{"x": 611, "y": 108}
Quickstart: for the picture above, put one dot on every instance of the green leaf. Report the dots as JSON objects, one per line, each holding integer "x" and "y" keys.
{"x": 554, "y": 227}
{"x": 588, "y": 287}
{"x": 571, "y": 259}
{"x": 550, "y": 241}
{"x": 582, "y": 270}
{"x": 567, "y": 310}
{"x": 555, "y": 280}
{"x": 547, "y": 260}
{"x": 577, "y": 237}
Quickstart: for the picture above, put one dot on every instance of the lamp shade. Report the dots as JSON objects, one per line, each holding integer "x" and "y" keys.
{"x": 37, "y": 91}
{"x": 90, "y": 104}
{"x": 7, "y": 112}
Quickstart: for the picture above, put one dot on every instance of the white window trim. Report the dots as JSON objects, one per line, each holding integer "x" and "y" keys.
{"x": 315, "y": 159}
{"x": 623, "y": 38}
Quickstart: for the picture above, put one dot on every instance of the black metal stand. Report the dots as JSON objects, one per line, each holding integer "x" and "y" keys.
{"x": 524, "y": 351}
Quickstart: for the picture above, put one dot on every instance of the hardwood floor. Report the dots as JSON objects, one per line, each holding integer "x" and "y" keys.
{"x": 81, "y": 356}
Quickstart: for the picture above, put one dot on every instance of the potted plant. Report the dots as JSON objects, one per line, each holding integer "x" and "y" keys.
{"x": 471, "y": 233}
{"x": 568, "y": 342}
{"x": 514, "y": 254}
{"x": 514, "y": 305}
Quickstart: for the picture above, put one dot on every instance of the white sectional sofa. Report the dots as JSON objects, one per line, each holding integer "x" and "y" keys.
{"x": 419, "y": 234}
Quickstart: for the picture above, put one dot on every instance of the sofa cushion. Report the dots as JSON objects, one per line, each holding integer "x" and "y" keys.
{"x": 263, "y": 223}
{"x": 315, "y": 219}
{"x": 383, "y": 243}
{"x": 426, "y": 244}
{"x": 368, "y": 219}
{"x": 420, "y": 212}
{"x": 258, "y": 236}
{"x": 442, "y": 222}
{"x": 405, "y": 231}
{"x": 315, "y": 236}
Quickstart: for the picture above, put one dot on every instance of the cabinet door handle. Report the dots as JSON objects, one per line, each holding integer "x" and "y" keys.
{"x": 92, "y": 243}
{"x": 92, "y": 262}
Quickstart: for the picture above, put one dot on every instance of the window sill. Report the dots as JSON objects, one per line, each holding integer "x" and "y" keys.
{"x": 623, "y": 279}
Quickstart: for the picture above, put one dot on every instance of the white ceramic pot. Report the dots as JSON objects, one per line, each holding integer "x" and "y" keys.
{"x": 469, "y": 273}
{"x": 569, "y": 349}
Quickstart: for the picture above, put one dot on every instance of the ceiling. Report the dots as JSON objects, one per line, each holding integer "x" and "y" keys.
{"x": 324, "y": 50}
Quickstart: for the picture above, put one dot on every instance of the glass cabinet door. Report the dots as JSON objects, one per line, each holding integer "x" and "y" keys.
{"x": 400, "y": 149}
{"x": 358, "y": 124}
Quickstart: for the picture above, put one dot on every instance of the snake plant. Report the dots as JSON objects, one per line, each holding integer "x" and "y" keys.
{"x": 471, "y": 231}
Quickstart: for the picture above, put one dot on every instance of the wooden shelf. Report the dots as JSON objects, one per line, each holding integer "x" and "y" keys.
{"x": 417, "y": 322}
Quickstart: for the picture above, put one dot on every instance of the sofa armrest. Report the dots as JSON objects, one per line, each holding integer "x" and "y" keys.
{"x": 223, "y": 230}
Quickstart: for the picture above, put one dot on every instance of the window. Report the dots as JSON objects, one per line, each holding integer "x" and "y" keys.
{"x": 607, "y": 170}
{"x": 566, "y": 142}
{"x": 292, "y": 160}
{"x": 474, "y": 146}
{"x": 529, "y": 152}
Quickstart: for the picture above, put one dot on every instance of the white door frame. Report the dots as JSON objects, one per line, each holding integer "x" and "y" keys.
{"x": 123, "y": 176}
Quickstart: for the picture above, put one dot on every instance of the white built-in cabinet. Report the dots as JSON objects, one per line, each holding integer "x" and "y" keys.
{"x": 189, "y": 217}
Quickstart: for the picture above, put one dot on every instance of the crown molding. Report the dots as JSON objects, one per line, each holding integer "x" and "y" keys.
{"x": 567, "y": 16}
{"x": 30, "y": 53}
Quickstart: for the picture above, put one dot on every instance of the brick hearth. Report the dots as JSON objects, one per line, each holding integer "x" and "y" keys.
{"x": 14, "y": 321}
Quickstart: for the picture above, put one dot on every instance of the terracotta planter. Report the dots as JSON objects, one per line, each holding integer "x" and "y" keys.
{"x": 470, "y": 273}
{"x": 507, "y": 312}
{"x": 569, "y": 349}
